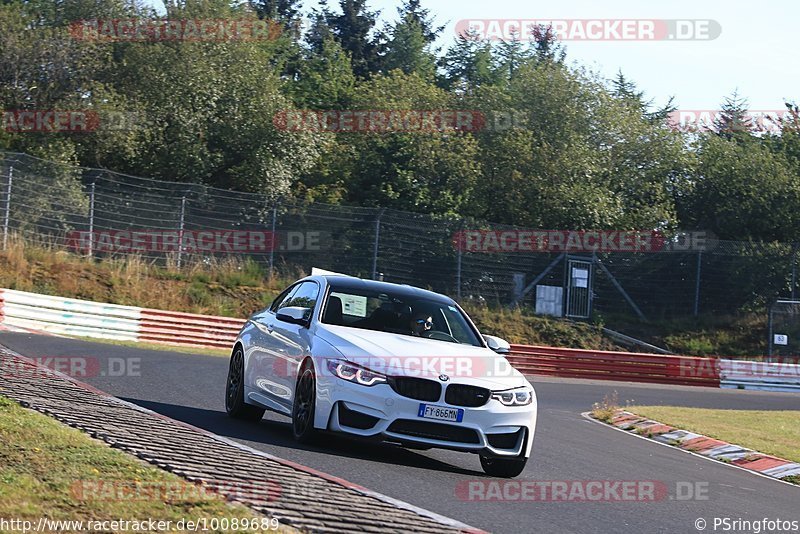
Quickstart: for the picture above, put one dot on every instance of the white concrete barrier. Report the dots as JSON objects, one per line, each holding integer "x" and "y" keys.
{"x": 764, "y": 376}
{"x": 75, "y": 317}
{"x": 11, "y": 296}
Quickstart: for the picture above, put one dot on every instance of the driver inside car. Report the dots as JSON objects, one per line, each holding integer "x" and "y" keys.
{"x": 420, "y": 324}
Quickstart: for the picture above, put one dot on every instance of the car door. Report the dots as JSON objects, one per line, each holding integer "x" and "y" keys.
{"x": 265, "y": 358}
{"x": 293, "y": 341}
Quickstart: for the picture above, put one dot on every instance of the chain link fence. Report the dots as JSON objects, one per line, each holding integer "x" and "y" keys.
{"x": 105, "y": 214}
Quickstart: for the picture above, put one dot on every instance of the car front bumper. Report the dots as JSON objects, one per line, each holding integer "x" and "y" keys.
{"x": 379, "y": 412}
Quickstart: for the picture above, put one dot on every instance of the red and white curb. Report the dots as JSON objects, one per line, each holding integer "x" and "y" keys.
{"x": 704, "y": 446}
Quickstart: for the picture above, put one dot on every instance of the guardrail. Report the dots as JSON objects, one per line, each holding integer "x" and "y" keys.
{"x": 765, "y": 376}
{"x": 188, "y": 329}
{"x": 608, "y": 365}
{"x": 58, "y": 315}
{"x": 75, "y": 317}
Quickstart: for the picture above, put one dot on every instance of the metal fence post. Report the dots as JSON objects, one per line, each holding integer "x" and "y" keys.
{"x": 91, "y": 220}
{"x": 376, "y": 243}
{"x": 697, "y": 283}
{"x": 460, "y": 246}
{"x": 274, "y": 240}
{"x": 7, "y": 214}
{"x": 794, "y": 268}
{"x": 770, "y": 338}
{"x": 180, "y": 230}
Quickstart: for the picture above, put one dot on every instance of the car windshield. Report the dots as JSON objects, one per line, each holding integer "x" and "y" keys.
{"x": 398, "y": 313}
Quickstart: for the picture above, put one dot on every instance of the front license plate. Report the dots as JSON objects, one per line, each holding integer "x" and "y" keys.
{"x": 442, "y": 413}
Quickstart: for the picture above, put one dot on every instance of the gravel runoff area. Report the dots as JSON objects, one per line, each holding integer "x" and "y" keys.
{"x": 296, "y": 495}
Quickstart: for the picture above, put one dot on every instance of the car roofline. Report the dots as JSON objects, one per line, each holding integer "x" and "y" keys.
{"x": 378, "y": 283}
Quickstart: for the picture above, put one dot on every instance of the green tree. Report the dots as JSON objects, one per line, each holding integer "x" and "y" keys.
{"x": 644, "y": 164}
{"x": 560, "y": 151}
{"x": 788, "y": 142}
{"x": 285, "y": 16}
{"x": 319, "y": 30}
{"x": 734, "y": 121}
{"x": 469, "y": 63}
{"x": 325, "y": 78}
{"x": 546, "y": 46}
{"x": 410, "y": 42}
{"x": 210, "y": 110}
{"x": 43, "y": 67}
{"x": 423, "y": 171}
{"x": 284, "y": 11}
{"x": 353, "y": 30}
{"x": 412, "y": 11}
{"x": 742, "y": 191}
{"x": 512, "y": 54}
{"x": 626, "y": 91}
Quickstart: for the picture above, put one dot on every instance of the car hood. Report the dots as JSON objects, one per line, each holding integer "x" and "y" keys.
{"x": 401, "y": 355}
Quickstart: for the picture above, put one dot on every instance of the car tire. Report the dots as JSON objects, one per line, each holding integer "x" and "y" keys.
{"x": 304, "y": 406}
{"x": 234, "y": 391}
{"x": 503, "y": 467}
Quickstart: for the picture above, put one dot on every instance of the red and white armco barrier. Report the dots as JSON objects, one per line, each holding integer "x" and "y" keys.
{"x": 654, "y": 368}
{"x": 74, "y": 317}
{"x": 159, "y": 326}
{"x": 58, "y": 315}
{"x": 607, "y": 365}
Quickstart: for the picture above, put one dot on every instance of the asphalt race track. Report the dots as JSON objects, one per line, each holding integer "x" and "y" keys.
{"x": 567, "y": 447}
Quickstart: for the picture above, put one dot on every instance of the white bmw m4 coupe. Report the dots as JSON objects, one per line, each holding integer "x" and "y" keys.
{"x": 383, "y": 361}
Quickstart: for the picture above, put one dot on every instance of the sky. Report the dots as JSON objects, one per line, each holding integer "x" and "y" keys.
{"x": 755, "y": 53}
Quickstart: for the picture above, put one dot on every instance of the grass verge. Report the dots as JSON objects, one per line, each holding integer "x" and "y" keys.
{"x": 706, "y": 335}
{"x": 767, "y": 431}
{"x": 230, "y": 287}
{"x": 46, "y": 467}
{"x": 518, "y": 326}
{"x": 236, "y": 287}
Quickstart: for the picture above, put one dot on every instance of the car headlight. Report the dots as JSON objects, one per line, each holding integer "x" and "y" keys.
{"x": 354, "y": 373}
{"x": 514, "y": 397}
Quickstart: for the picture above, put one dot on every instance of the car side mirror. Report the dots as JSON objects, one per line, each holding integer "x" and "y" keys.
{"x": 294, "y": 315}
{"x": 497, "y": 344}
